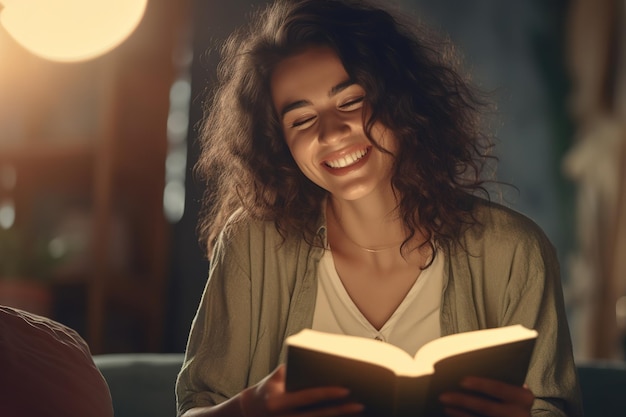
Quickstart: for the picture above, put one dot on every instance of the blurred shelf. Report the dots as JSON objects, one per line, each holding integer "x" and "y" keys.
{"x": 110, "y": 183}
{"x": 51, "y": 166}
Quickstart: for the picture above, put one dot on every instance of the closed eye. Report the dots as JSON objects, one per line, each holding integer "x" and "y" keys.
{"x": 352, "y": 104}
{"x": 303, "y": 123}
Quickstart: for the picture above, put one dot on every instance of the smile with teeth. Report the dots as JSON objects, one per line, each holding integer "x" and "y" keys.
{"x": 347, "y": 160}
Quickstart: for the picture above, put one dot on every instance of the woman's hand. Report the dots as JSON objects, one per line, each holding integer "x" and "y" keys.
{"x": 269, "y": 398}
{"x": 494, "y": 399}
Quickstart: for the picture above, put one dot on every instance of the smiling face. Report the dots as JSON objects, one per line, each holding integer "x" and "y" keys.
{"x": 321, "y": 112}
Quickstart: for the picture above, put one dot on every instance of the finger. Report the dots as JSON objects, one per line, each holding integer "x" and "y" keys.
{"x": 278, "y": 375}
{"x": 471, "y": 405}
{"x": 459, "y": 404}
{"x": 455, "y": 412}
{"x": 275, "y": 382}
{"x": 345, "y": 409}
{"x": 502, "y": 391}
{"x": 286, "y": 402}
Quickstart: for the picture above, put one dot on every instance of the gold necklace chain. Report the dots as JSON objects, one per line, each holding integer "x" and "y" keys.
{"x": 371, "y": 250}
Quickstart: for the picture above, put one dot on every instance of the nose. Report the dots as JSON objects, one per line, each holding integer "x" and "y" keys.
{"x": 332, "y": 127}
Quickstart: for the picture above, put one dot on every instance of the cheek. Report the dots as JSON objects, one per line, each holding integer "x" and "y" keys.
{"x": 300, "y": 147}
{"x": 304, "y": 158}
{"x": 297, "y": 152}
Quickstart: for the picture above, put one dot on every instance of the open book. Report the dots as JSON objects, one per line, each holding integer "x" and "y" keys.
{"x": 389, "y": 382}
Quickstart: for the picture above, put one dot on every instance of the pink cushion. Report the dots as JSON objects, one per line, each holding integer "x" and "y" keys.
{"x": 46, "y": 369}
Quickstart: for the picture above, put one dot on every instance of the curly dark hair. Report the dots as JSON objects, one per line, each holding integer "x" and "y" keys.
{"x": 413, "y": 87}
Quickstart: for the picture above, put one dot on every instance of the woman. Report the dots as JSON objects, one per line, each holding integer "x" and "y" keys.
{"x": 344, "y": 155}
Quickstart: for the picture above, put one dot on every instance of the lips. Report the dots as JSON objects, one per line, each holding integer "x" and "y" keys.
{"x": 347, "y": 160}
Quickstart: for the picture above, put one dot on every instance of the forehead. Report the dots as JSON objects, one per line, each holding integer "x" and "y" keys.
{"x": 309, "y": 73}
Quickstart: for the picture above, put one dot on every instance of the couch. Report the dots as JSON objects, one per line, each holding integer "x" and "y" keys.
{"x": 45, "y": 360}
{"x": 142, "y": 385}
{"x": 603, "y": 386}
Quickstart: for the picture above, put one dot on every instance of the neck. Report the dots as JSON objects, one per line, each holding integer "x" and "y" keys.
{"x": 367, "y": 227}
{"x": 372, "y": 249}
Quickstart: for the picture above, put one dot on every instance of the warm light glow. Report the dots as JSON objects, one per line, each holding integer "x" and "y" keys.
{"x": 70, "y": 30}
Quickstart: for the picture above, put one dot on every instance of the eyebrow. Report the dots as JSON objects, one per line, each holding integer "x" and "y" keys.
{"x": 301, "y": 103}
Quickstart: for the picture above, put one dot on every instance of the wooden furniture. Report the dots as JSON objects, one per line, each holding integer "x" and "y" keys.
{"x": 92, "y": 137}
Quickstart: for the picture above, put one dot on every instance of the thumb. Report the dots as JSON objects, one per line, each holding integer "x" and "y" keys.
{"x": 275, "y": 382}
{"x": 278, "y": 375}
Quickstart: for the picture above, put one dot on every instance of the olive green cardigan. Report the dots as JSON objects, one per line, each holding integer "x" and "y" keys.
{"x": 260, "y": 291}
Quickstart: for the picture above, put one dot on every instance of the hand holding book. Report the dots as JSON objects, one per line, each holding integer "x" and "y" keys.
{"x": 488, "y": 397}
{"x": 269, "y": 398}
{"x": 391, "y": 383}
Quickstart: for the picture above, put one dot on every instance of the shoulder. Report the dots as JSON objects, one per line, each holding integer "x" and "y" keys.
{"x": 505, "y": 252}
{"x": 243, "y": 235}
{"x": 499, "y": 228}
{"x": 246, "y": 240}
{"x": 496, "y": 220}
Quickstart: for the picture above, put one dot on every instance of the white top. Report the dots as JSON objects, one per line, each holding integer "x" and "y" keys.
{"x": 414, "y": 323}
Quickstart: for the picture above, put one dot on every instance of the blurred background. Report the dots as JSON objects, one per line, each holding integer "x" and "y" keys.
{"x": 99, "y": 205}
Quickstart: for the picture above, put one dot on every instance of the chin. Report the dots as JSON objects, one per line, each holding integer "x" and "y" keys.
{"x": 353, "y": 193}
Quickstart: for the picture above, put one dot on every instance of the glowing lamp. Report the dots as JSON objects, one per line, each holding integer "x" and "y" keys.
{"x": 70, "y": 30}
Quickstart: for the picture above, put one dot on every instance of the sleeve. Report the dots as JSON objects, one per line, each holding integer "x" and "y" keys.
{"x": 217, "y": 357}
{"x": 534, "y": 298}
